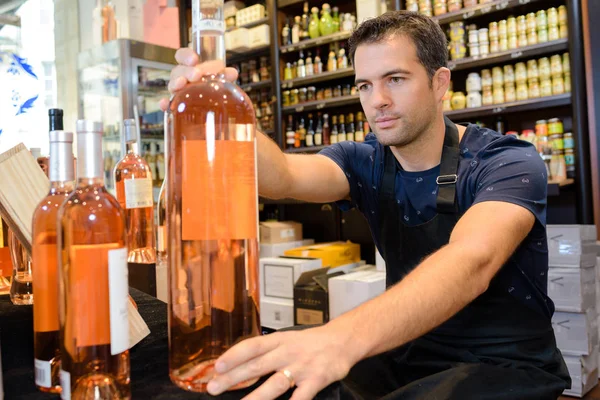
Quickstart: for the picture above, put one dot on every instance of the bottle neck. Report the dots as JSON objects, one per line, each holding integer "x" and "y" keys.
{"x": 208, "y": 30}
{"x": 58, "y": 186}
{"x": 61, "y": 162}
{"x": 89, "y": 152}
{"x": 132, "y": 148}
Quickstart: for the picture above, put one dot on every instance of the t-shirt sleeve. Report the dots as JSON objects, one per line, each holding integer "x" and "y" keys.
{"x": 513, "y": 172}
{"x": 350, "y": 156}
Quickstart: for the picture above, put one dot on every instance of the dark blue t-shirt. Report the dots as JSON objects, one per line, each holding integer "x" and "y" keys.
{"x": 492, "y": 167}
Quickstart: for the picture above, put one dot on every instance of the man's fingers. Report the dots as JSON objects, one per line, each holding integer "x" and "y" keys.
{"x": 245, "y": 351}
{"x": 255, "y": 368}
{"x": 164, "y": 104}
{"x": 231, "y": 74}
{"x": 186, "y": 56}
{"x": 274, "y": 387}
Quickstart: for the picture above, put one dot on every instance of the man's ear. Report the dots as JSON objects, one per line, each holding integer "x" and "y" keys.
{"x": 441, "y": 82}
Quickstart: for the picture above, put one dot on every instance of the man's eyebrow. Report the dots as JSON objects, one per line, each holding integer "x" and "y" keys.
{"x": 386, "y": 74}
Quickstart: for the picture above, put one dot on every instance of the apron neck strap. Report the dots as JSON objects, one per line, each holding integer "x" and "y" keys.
{"x": 446, "y": 197}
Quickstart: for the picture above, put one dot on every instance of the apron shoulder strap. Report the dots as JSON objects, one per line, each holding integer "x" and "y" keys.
{"x": 446, "y": 197}
{"x": 388, "y": 184}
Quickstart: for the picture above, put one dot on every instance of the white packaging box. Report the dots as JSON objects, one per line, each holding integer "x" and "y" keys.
{"x": 572, "y": 289}
{"x": 351, "y": 290}
{"x": 249, "y": 14}
{"x": 571, "y": 246}
{"x": 584, "y": 373}
{"x": 130, "y": 16}
{"x": 277, "y": 250}
{"x": 276, "y": 313}
{"x": 259, "y": 36}
{"x": 576, "y": 333}
{"x": 237, "y": 40}
{"x": 277, "y": 276}
{"x": 366, "y": 9}
{"x": 379, "y": 261}
{"x": 231, "y": 7}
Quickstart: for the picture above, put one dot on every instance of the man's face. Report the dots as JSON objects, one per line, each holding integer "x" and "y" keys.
{"x": 395, "y": 90}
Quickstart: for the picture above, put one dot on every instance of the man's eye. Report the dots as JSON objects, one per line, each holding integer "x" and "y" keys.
{"x": 363, "y": 88}
{"x": 396, "y": 79}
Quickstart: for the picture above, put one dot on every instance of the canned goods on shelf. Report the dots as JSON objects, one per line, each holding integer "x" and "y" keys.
{"x": 303, "y": 95}
{"x": 503, "y": 44}
{"x": 556, "y": 141}
{"x": 558, "y": 85}
{"x": 484, "y": 49}
{"x": 541, "y": 19}
{"x": 497, "y": 76}
{"x": 552, "y": 16}
{"x": 522, "y": 91}
{"x": 570, "y": 162}
{"x": 498, "y": 94}
{"x": 568, "y": 141}
{"x": 474, "y": 49}
{"x": 563, "y": 31}
{"x": 532, "y": 37}
{"x": 522, "y": 40}
{"x": 542, "y": 35}
{"x": 486, "y": 78}
{"x": 473, "y": 36}
{"x": 534, "y": 88}
{"x": 553, "y": 33}
{"x": 520, "y": 72}
{"x": 470, "y": 3}
{"x": 474, "y": 100}
{"x": 566, "y": 63}
{"x": 458, "y": 51}
{"x": 312, "y": 93}
{"x": 295, "y": 98}
{"x": 493, "y": 30}
{"x": 509, "y": 74}
{"x": 513, "y": 42}
{"x": 494, "y": 46}
{"x": 568, "y": 83}
{"x": 546, "y": 87}
{"x": 286, "y": 98}
{"x": 511, "y": 26}
{"x": 541, "y": 128}
{"x": 521, "y": 24}
{"x": 531, "y": 21}
{"x": 454, "y": 5}
{"x": 555, "y": 126}
{"x": 473, "y": 82}
{"x": 556, "y": 65}
{"x": 483, "y": 35}
{"x": 532, "y": 69}
{"x": 544, "y": 68}
{"x": 488, "y": 97}
{"x": 510, "y": 93}
{"x": 440, "y": 8}
{"x": 562, "y": 15}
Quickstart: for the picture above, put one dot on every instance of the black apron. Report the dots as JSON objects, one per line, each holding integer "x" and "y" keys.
{"x": 495, "y": 348}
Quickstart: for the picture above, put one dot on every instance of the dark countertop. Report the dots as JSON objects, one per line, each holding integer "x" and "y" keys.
{"x": 149, "y": 358}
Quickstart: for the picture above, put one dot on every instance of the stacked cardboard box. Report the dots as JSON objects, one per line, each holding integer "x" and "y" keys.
{"x": 572, "y": 287}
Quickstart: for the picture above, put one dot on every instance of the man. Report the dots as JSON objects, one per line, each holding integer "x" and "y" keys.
{"x": 458, "y": 214}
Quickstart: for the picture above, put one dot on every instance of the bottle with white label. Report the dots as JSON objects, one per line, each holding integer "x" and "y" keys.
{"x": 93, "y": 290}
{"x": 133, "y": 181}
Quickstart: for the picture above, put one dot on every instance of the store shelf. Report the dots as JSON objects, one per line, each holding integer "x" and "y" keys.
{"x": 517, "y": 106}
{"x": 235, "y": 57}
{"x": 554, "y": 188}
{"x": 321, "y": 104}
{"x": 153, "y": 90}
{"x": 481, "y": 9}
{"x": 510, "y": 55}
{"x": 322, "y": 77}
{"x": 307, "y": 150}
{"x": 261, "y": 21}
{"x": 153, "y": 132}
{"x": 256, "y": 85}
{"x": 306, "y": 44}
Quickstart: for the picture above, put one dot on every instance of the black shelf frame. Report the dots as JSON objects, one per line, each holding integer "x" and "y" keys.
{"x": 540, "y": 49}
{"x": 321, "y": 104}
{"x": 307, "y": 44}
{"x": 323, "y": 77}
{"x": 481, "y": 9}
{"x": 258, "y": 22}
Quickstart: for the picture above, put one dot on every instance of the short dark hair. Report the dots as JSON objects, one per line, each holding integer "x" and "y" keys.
{"x": 426, "y": 34}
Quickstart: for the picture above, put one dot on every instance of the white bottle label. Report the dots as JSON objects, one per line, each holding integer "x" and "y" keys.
{"x": 65, "y": 384}
{"x": 309, "y": 141}
{"x": 201, "y": 24}
{"x": 350, "y": 137}
{"x": 318, "y": 139}
{"x": 43, "y": 373}
{"x": 161, "y": 236}
{"x": 138, "y": 193}
{"x": 118, "y": 292}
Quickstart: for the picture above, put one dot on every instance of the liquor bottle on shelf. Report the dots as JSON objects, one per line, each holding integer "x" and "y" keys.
{"x": 297, "y": 142}
{"x": 326, "y": 25}
{"x": 350, "y": 134}
{"x": 334, "y": 130}
{"x": 133, "y": 181}
{"x": 336, "y": 19}
{"x": 319, "y": 131}
{"x": 310, "y": 69}
{"x": 160, "y": 165}
{"x": 313, "y": 26}
{"x": 342, "y": 59}
{"x": 304, "y": 35}
{"x": 286, "y": 34}
{"x": 360, "y": 133}
{"x": 310, "y": 133}
{"x": 109, "y": 22}
{"x": 287, "y": 72}
{"x": 46, "y": 322}
{"x": 331, "y": 61}
{"x": 289, "y": 132}
{"x": 301, "y": 71}
{"x": 21, "y": 287}
{"x": 5, "y": 261}
{"x": 302, "y": 132}
{"x": 212, "y": 225}
{"x": 264, "y": 69}
{"x": 342, "y": 130}
{"x": 296, "y": 29}
{"x": 93, "y": 290}
{"x": 318, "y": 63}
{"x": 326, "y": 130}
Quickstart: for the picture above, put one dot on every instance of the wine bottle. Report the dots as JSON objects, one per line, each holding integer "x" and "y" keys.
{"x": 212, "y": 204}
{"x": 133, "y": 181}
{"x": 93, "y": 291}
{"x": 46, "y": 323}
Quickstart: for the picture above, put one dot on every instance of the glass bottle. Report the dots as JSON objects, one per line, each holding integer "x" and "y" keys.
{"x": 342, "y": 130}
{"x": 360, "y": 133}
{"x": 301, "y": 70}
{"x": 304, "y": 35}
{"x": 336, "y": 19}
{"x": 319, "y": 131}
{"x": 161, "y": 245}
{"x": 212, "y": 209}
{"x": 334, "y": 130}
{"x": 310, "y": 69}
{"x": 5, "y": 261}
{"x": 21, "y": 288}
{"x": 310, "y": 133}
{"x": 46, "y": 322}
{"x": 326, "y": 26}
{"x": 93, "y": 290}
{"x": 133, "y": 181}
{"x": 109, "y": 22}
{"x": 313, "y": 26}
{"x": 318, "y": 63}
{"x": 286, "y": 34}
{"x": 326, "y": 130}
{"x": 351, "y": 130}
{"x": 296, "y": 29}
{"x": 331, "y": 61}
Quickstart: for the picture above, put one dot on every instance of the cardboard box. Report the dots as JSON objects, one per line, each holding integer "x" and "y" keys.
{"x": 333, "y": 254}
{"x": 576, "y": 333}
{"x": 584, "y": 373}
{"x": 231, "y": 7}
{"x": 278, "y": 275}
{"x": 249, "y": 14}
{"x": 572, "y": 289}
{"x": 237, "y": 40}
{"x": 277, "y": 249}
{"x": 311, "y": 297}
{"x": 351, "y": 290}
{"x": 276, "y": 313}
{"x": 272, "y": 232}
{"x": 572, "y": 246}
{"x": 260, "y": 36}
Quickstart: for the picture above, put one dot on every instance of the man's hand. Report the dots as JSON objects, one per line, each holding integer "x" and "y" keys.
{"x": 190, "y": 70}
{"x": 314, "y": 357}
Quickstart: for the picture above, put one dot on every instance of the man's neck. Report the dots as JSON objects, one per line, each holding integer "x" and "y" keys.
{"x": 425, "y": 152}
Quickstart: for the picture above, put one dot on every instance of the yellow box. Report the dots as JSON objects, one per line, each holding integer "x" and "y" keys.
{"x": 332, "y": 254}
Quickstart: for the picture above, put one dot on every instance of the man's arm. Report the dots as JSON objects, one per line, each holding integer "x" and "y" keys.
{"x": 312, "y": 178}
{"x": 444, "y": 283}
